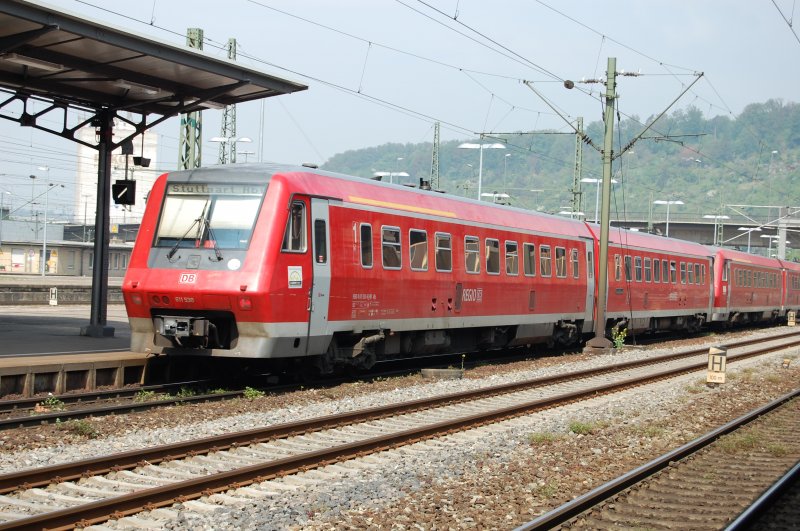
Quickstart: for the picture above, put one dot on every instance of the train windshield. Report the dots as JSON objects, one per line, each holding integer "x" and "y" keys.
{"x": 219, "y": 216}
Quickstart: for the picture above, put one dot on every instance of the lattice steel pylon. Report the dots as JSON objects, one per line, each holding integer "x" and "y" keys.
{"x": 189, "y": 147}
{"x": 227, "y": 148}
{"x": 577, "y": 194}
{"x": 435, "y": 158}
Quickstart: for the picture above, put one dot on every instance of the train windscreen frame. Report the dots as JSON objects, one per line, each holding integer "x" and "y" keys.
{"x": 220, "y": 215}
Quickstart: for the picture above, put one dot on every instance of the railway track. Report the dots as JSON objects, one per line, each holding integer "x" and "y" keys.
{"x": 19, "y": 413}
{"x": 43, "y": 410}
{"x": 77, "y": 493}
{"x": 704, "y": 484}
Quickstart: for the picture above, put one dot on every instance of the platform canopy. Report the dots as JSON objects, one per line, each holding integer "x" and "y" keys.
{"x": 55, "y": 54}
{"x": 57, "y": 65}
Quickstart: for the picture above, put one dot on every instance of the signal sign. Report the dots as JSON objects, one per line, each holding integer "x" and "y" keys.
{"x": 717, "y": 358}
{"x": 124, "y": 192}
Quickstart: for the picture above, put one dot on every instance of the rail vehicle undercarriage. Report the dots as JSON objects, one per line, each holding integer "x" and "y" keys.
{"x": 362, "y": 351}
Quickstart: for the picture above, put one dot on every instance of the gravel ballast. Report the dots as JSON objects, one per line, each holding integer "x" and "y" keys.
{"x": 493, "y": 477}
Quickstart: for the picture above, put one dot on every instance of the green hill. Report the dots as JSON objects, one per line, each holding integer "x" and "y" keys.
{"x": 750, "y": 159}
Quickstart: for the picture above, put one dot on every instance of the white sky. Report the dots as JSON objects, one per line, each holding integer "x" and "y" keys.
{"x": 436, "y": 68}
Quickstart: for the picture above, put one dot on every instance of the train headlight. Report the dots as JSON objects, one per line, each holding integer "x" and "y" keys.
{"x": 245, "y": 304}
{"x": 136, "y": 299}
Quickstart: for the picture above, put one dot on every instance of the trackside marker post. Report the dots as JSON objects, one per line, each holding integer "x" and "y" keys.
{"x": 717, "y": 357}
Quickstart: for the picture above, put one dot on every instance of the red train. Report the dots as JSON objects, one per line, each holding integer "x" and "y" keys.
{"x": 294, "y": 263}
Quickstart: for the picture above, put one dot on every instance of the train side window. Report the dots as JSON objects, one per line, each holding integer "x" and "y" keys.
{"x": 590, "y": 271}
{"x": 576, "y": 271}
{"x": 544, "y": 260}
{"x": 320, "y": 241}
{"x": 444, "y": 252}
{"x": 294, "y": 239}
{"x": 418, "y": 249}
{"x": 391, "y": 248}
{"x": 366, "y": 245}
{"x": 648, "y": 265}
{"x": 638, "y": 268}
{"x": 529, "y": 257}
{"x": 749, "y": 278}
{"x": 673, "y": 272}
{"x": 492, "y": 256}
{"x": 683, "y": 272}
{"x": 690, "y": 273}
{"x": 628, "y": 269}
{"x": 561, "y": 262}
{"x": 697, "y": 274}
{"x": 664, "y": 271}
{"x": 472, "y": 254}
{"x": 617, "y": 267}
{"x": 656, "y": 270}
{"x": 512, "y": 258}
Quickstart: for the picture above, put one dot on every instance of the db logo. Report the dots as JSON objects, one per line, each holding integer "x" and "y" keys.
{"x": 188, "y": 278}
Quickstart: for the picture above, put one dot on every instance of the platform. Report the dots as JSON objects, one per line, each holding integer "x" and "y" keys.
{"x": 18, "y": 289}
{"x": 59, "y": 374}
{"x": 42, "y": 351}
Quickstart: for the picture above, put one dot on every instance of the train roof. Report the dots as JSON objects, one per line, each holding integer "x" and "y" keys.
{"x": 358, "y": 190}
{"x": 634, "y": 239}
{"x": 790, "y": 265}
{"x": 747, "y": 258}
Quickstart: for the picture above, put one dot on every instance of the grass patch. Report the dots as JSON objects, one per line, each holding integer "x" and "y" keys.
{"x": 747, "y": 374}
{"x": 148, "y": 396}
{"x": 547, "y": 491}
{"x": 740, "y": 442}
{"x": 251, "y": 394}
{"x": 581, "y": 428}
{"x": 697, "y": 387}
{"x": 51, "y": 403}
{"x": 777, "y": 449}
{"x": 542, "y": 438}
{"x": 651, "y": 431}
{"x": 185, "y": 392}
{"x": 80, "y": 427}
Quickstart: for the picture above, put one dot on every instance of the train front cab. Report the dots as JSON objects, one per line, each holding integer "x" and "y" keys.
{"x": 222, "y": 267}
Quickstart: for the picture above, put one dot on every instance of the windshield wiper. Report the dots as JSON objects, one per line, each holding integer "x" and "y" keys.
{"x": 197, "y": 221}
{"x": 212, "y": 239}
{"x": 174, "y": 249}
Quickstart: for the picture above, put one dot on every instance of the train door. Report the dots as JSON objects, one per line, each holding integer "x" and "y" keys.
{"x": 319, "y": 295}
{"x": 588, "y": 321}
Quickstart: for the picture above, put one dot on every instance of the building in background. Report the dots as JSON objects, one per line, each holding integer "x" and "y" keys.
{"x": 86, "y": 182}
